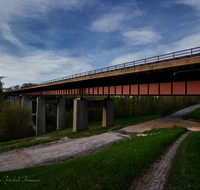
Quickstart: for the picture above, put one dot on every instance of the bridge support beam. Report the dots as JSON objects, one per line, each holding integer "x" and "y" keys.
{"x": 40, "y": 117}
{"x": 80, "y": 116}
{"x": 61, "y": 113}
{"x": 108, "y": 112}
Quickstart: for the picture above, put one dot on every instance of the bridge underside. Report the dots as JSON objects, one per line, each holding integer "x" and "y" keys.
{"x": 164, "y": 88}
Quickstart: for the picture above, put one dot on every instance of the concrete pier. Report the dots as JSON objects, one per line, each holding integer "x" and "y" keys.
{"x": 17, "y": 100}
{"x": 12, "y": 99}
{"x": 61, "y": 113}
{"x": 40, "y": 117}
{"x": 108, "y": 112}
{"x": 25, "y": 101}
{"x": 80, "y": 116}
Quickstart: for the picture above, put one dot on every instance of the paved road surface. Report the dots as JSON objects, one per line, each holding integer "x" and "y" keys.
{"x": 62, "y": 150}
{"x": 180, "y": 114}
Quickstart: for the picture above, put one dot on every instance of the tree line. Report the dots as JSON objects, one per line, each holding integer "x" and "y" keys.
{"x": 124, "y": 106}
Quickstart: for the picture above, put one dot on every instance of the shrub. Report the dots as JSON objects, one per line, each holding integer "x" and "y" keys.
{"x": 14, "y": 121}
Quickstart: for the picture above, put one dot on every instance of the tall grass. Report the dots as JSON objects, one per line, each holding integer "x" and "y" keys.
{"x": 14, "y": 121}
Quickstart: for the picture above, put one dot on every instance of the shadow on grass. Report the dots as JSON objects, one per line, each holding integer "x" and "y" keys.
{"x": 93, "y": 129}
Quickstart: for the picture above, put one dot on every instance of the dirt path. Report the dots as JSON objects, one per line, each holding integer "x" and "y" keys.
{"x": 55, "y": 152}
{"x": 156, "y": 176}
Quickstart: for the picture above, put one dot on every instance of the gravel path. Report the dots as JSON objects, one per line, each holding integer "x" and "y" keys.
{"x": 70, "y": 148}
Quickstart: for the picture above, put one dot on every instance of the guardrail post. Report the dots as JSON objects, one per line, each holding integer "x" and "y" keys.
{"x": 191, "y": 52}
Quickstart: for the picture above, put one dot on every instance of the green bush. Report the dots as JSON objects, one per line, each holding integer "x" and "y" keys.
{"x": 68, "y": 119}
{"x": 14, "y": 121}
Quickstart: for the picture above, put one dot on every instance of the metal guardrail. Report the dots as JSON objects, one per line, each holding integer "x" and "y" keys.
{"x": 183, "y": 54}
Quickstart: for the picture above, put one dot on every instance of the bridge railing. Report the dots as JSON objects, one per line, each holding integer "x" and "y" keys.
{"x": 151, "y": 60}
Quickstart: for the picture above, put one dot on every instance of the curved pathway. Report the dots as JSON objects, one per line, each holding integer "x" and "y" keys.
{"x": 181, "y": 113}
{"x": 69, "y": 148}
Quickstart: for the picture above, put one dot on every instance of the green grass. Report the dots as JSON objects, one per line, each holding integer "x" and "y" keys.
{"x": 93, "y": 129}
{"x": 112, "y": 168}
{"x": 185, "y": 172}
{"x": 195, "y": 115}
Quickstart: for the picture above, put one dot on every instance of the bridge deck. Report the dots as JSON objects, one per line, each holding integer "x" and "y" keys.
{"x": 177, "y": 73}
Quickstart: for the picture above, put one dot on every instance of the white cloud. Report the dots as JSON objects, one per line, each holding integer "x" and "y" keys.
{"x": 7, "y": 35}
{"x": 108, "y": 22}
{"x": 14, "y": 9}
{"x": 194, "y": 3}
{"x": 133, "y": 56}
{"x": 41, "y": 66}
{"x": 31, "y": 8}
{"x": 114, "y": 20}
{"x": 141, "y": 36}
{"x": 185, "y": 43}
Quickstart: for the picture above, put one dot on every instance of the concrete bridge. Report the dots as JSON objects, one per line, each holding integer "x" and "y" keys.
{"x": 176, "y": 73}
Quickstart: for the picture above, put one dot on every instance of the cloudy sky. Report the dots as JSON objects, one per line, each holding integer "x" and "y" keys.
{"x": 46, "y": 39}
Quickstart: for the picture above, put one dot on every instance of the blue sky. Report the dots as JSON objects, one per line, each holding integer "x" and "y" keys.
{"x": 46, "y": 39}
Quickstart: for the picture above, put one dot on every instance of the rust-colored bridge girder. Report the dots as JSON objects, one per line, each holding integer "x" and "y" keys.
{"x": 178, "y": 74}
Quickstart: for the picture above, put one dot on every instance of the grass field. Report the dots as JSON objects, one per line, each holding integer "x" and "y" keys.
{"x": 185, "y": 172}
{"x": 195, "y": 115}
{"x": 112, "y": 168}
{"x": 93, "y": 129}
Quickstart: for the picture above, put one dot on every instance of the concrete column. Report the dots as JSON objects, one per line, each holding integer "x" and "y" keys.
{"x": 17, "y": 100}
{"x": 40, "y": 117}
{"x": 12, "y": 99}
{"x": 25, "y": 100}
{"x": 61, "y": 113}
{"x": 30, "y": 105}
{"x": 80, "y": 117}
{"x": 108, "y": 113}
